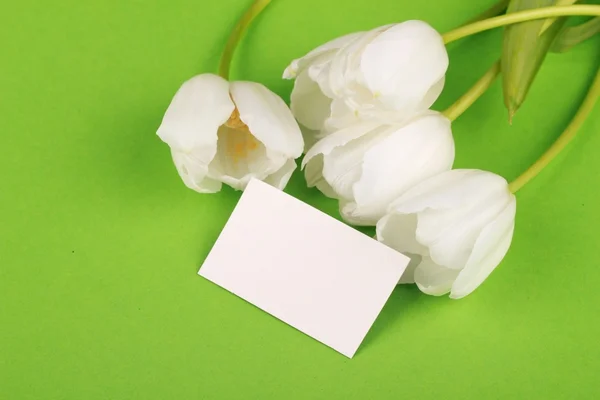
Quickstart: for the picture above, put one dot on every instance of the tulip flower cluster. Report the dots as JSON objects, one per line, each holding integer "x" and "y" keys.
{"x": 386, "y": 156}
{"x": 360, "y": 110}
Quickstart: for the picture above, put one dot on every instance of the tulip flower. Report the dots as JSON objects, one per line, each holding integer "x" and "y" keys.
{"x": 388, "y": 74}
{"x": 221, "y": 132}
{"x": 367, "y": 165}
{"x": 456, "y": 227}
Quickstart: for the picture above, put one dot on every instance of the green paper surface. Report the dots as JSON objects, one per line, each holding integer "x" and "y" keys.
{"x": 100, "y": 242}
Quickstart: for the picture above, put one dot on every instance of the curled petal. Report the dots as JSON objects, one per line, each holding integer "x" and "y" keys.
{"x": 330, "y": 170}
{"x": 194, "y": 173}
{"x": 434, "y": 279}
{"x": 398, "y": 231}
{"x": 326, "y": 189}
{"x": 450, "y": 189}
{"x": 403, "y": 63}
{"x": 308, "y": 104}
{"x": 490, "y": 248}
{"x": 344, "y": 68}
{"x": 450, "y": 234}
{"x": 359, "y": 216}
{"x": 281, "y": 178}
{"x": 199, "y": 107}
{"x": 268, "y": 118}
{"x": 314, "y": 177}
{"x": 343, "y": 166}
{"x": 339, "y": 138}
{"x": 301, "y": 63}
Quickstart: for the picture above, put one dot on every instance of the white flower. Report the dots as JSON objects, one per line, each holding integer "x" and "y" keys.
{"x": 222, "y": 132}
{"x": 367, "y": 165}
{"x": 389, "y": 74}
{"x": 456, "y": 227}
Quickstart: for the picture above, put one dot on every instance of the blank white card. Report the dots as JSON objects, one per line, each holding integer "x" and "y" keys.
{"x": 303, "y": 267}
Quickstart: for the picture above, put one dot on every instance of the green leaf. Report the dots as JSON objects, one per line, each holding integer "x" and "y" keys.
{"x": 524, "y": 50}
{"x": 550, "y": 21}
{"x": 571, "y": 36}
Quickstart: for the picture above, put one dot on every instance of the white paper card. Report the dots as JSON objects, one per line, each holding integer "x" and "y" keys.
{"x": 304, "y": 267}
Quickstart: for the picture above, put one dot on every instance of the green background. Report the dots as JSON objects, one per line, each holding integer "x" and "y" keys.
{"x": 100, "y": 242}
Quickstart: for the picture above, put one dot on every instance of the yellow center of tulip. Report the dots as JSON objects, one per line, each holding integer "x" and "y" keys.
{"x": 241, "y": 141}
{"x": 235, "y": 122}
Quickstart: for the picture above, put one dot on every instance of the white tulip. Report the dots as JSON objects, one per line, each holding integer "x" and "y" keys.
{"x": 388, "y": 74}
{"x": 230, "y": 132}
{"x": 456, "y": 227}
{"x": 368, "y": 165}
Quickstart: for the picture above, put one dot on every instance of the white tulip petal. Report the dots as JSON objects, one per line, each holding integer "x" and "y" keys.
{"x": 450, "y": 189}
{"x": 281, "y": 178}
{"x": 398, "y": 231}
{"x": 451, "y": 234}
{"x": 313, "y": 170}
{"x": 338, "y": 138}
{"x": 268, "y": 118}
{"x": 197, "y": 110}
{"x": 407, "y": 156}
{"x": 434, "y": 279}
{"x": 209, "y": 185}
{"x": 318, "y": 71}
{"x": 314, "y": 177}
{"x": 341, "y": 116}
{"x": 403, "y": 63}
{"x": 356, "y": 216}
{"x": 310, "y": 137}
{"x": 301, "y": 63}
{"x": 339, "y": 69}
{"x": 432, "y": 95}
{"x": 343, "y": 166}
{"x": 344, "y": 68}
{"x": 308, "y": 103}
{"x": 193, "y": 173}
{"x": 490, "y": 248}
{"x": 326, "y": 189}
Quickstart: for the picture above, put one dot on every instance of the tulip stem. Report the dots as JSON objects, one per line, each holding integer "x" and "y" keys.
{"x": 479, "y": 88}
{"x": 521, "y": 16}
{"x": 563, "y": 140}
{"x": 237, "y": 33}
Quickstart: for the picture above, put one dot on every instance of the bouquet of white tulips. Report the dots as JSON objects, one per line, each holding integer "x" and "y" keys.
{"x": 360, "y": 110}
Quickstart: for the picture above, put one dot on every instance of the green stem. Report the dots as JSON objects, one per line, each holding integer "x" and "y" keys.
{"x": 521, "y": 16}
{"x": 563, "y": 140}
{"x": 238, "y": 32}
{"x": 478, "y": 89}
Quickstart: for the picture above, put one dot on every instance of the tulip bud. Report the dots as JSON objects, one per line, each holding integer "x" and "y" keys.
{"x": 456, "y": 227}
{"x": 524, "y": 49}
{"x": 230, "y": 132}
{"x": 388, "y": 74}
